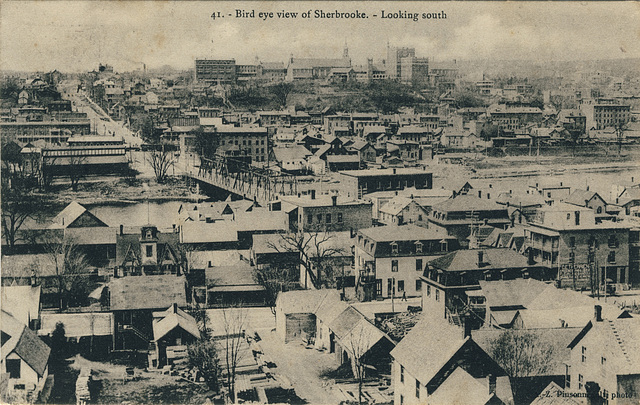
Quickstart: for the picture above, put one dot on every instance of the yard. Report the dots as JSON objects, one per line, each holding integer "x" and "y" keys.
{"x": 145, "y": 387}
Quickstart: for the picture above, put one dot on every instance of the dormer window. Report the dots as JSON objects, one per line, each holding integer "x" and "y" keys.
{"x": 148, "y": 234}
{"x": 394, "y": 248}
{"x": 419, "y": 247}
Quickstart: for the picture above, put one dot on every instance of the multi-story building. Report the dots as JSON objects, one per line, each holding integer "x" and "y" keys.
{"x": 462, "y": 215}
{"x": 394, "y": 60}
{"x": 603, "y": 113}
{"x": 514, "y": 118}
{"x": 273, "y": 71}
{"x": 585, "y": 254}
{"x": 216, "y": 70}
{"x": 389, "y": 260}
{"x": 356, "y": 183}
{"x": 324, "y": 213}
{"x": 605, "y": 360}
{"x": 52, "y": 131}
{"x": 313, "y": 68}
{"x": 414, "y": 70}
{"x": 248, "y": 72}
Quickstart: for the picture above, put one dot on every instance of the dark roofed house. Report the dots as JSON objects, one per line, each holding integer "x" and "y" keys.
{"x": 133, "y": 301}
{"x": 448, "y": 278}
{"x": 173, "y": 330}
{"x": 25, "y": 358}
{"x": 436, "y": 363}
{"x": 146, "y": 252}
{"x": 76, "y": 215}
{"x": 459, "y": 215}
{"x": 232, "y": 284}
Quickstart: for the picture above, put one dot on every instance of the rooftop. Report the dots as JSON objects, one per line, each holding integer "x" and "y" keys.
{"x": 401, "y": 233}
{"x": 147, "y": 292}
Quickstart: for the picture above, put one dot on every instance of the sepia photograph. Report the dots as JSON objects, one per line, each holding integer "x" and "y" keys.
{"x": 320, "y": 202}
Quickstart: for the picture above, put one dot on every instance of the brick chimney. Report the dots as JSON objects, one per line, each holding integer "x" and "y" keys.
{"x": 492, "y": 383}
{"x": 480, "y": 258}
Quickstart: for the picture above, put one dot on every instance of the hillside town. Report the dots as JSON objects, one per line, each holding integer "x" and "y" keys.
{"x": 409, "y": 230}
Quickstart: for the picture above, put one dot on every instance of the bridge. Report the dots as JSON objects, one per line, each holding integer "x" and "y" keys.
{"x": 241, "y": 178}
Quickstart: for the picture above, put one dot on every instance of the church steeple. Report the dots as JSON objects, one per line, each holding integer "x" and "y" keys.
{"x": 345, "y": 53}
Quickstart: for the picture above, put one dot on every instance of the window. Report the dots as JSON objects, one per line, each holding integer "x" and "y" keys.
{"x": 418, "y": 285}
{"x": 417, "y": 389}
{"x": 584, "y": 354}
{"x": 400, "y": 285}
{"x": 603, "y": 361}
{"x": 428, "y": 290}
{"x": 437, "y": 295}
{"x": 394, "y": 266}
{"x": 418, "y": 264}
{"x": 613, "y": 242}
{"x": 401, "y": 399}
{"x": 599, "y": 210}
{"x": 394, "y": 248}
{"x": 612, "y": 257}
{"x": 443, "y": 246}
{"x": 572, "y": 241}
{"x": 401, "y": 373}
{"x": 418, "y": 247}
{"x": 149, "y": 250}
{"x": 580, "y": 381}
{"x": 572, "y": 257}
{"x": 339, "y": 217}
{"x": 319, "y": 216}
{"x": 13, "y": 368}
{"x": 328, "y": 218}
{"x": 309, "y": 218}
{"x": 567, "y": 378}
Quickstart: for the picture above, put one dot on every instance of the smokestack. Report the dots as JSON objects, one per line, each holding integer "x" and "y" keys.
{"x": 467, "y": 327}
{"x": 598, "y": 313}
{"x": 480, "y": 258}
{"x": 121, "y": 229}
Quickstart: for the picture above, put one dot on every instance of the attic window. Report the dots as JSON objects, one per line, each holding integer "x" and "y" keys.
{"x": 394, "y": 248}
{"x": 149, "y": 235}
{"x": 419, "y": 247}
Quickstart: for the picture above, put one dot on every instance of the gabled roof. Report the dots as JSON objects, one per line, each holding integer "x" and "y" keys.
{"x": 362, "y": 337}
{"x": 344, "y": 323}
{"x": 292, "y": 153}
{"x": 582, "y": 197}
{"x": 427, "y": 348}
{"x": 71, "y": 213}
{"x": 25, "y": 343}
{"x": 450, "y": 392}
{"x": 553, "y": 394}
{"x": 147, "y": 292}
{"x": 397, "y": 204}
{"x": 171, "y": 319}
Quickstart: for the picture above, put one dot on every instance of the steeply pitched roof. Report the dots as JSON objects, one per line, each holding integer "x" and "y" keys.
{"x": 147, "y": 292}
{"x": 292, "y": 153}
{"x": 344, "y": 323}
{"x": 71, "y": 213}
{"x": 450, "y": 392}
{"x": 581, "y": 197}
{"x": 171, "y": 319}
{"x": 33, "y": 351}
{"x": 553, "y": 395}
{"x": 427, "y": 347}
{"x": 396, "y": 205}
{"x": 493, "y": 258}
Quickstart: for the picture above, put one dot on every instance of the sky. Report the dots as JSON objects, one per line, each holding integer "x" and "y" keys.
{"x": 74, "y": 36}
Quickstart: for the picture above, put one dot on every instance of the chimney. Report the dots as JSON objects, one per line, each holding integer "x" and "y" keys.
{"x": 175, "y": 308}
{"x": 334, "y": 200}
{"x": 598, "y": 313}
{"x": 560, "y": 184}
{"x": 175, "y": 230}
{"x": 121, "y": 229}
{"x": 587, "y": 188}
{"x": 467, "y": 327}
{"x": 480, "y": 258}
{"x": 394, "y": 170}
{"x": 492, "y": 383}
{"x": 530, "y": 260}
{"x": 479, "y": 193}
{"x": 313, "y": 194}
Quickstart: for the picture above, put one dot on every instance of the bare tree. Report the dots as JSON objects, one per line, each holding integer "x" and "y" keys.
{"x": 17, "y": 206}
{"x": 274, "y": 279}
{"x": 234, "y": 332}
{"x": 315, "y": 251}
{"x": 202, "y": 319}
{"x": 359, "y": 344}
{"x": 76, "y": 171}
{"x": 161, "y": 161}
{"x": 71, "y": 268}
{"x": 281, "y": 92}
{"x": 203, "y": 355}
{"x": 521, "y": 353}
